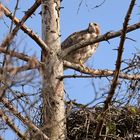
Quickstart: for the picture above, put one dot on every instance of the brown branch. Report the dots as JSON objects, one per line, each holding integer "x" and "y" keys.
{"x": 15, "y": 70}
{"x": 97, "y": 73}
{"x": 15, "y": 54}
{"x": 24, "y": 28}
{"x": 33, "y": 63}
{"x": 25, "y": 120}
{"x": 105, "y": 37}
{"x": 116, "y": 73}
{"x": 9, "y": 122}
{"x": 28, "y": 14}
{"x": 7, "y": 47}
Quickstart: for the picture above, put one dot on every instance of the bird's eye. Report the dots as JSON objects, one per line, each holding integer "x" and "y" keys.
{"x": 95, "y": 24}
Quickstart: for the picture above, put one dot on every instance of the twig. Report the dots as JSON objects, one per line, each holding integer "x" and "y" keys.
{"x": 7, "y": 47}
{"x": 15, "y": 70}
{"x": 79, "y": 6}
{"x": 14, "y": 14}
{"x": 99, "y": 4}
{"x": 21, "y": 56}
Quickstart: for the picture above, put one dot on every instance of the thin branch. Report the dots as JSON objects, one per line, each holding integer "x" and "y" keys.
{"x": 33, "y": 63}
{"x": 101, "y": 73}
{"x": 117, "y": 71}
{"x": 21, "y": 56}
{"x": 97, "y": 73}
{"x": 26, "y": 121}
{"x": 79, "y": 6}
{"x": 15, "y": 70}
{"x": 75, "y": 76}
{"x": 14, "y": 14}
{"x": 9, "y": 122}
{"x": 99, "y": 4}
{"x": 28, "y": 14}
{"x": 24, "y": 28}
{"x": 7, "y": 47}
{"x": 105, "y": 37}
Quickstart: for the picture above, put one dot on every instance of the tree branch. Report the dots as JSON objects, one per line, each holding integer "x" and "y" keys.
{"x": 105, "y": 37}
{"x": 14, "y": 13}
{"x": 24, "y": 28}
{"x": 15, "y": 70}
{"x": 28, "y": 14}
{"x": 32, "y": 62}
{"x": 15, "y": 54}
{"x": 117, "y": 71}
{"x": 9, "y": 122}
{"x": 26, "y": 121}
{"x": 97, "y": 73}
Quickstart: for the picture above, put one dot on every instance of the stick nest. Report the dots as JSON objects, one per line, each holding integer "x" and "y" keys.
{"x": 119, "y": 123}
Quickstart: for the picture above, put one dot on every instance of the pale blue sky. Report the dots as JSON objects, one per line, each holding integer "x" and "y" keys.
{"x": 109, "y": 16}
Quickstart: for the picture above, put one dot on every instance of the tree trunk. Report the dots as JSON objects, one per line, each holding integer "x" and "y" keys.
{"x": 53, "y": 89}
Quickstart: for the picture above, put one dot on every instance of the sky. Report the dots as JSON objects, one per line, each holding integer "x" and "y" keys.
{"x": 109, "y": 16}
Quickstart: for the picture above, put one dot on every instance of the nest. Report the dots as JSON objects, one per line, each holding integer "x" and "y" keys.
{"x": 119, "y": 123}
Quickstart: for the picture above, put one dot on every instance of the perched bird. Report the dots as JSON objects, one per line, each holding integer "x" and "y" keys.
{"x": 81, "y": 55}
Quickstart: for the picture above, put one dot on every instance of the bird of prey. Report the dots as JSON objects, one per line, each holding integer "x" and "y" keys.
{"x": 81, "y": 55}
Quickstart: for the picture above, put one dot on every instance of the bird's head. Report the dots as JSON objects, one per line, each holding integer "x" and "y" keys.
{"x": 94, "y": 28}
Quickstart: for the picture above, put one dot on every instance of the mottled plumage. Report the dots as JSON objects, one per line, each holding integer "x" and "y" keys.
{"x": 82, "y": 54}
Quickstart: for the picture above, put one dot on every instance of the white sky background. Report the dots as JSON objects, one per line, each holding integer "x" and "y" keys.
{"x": 109, "y": 16}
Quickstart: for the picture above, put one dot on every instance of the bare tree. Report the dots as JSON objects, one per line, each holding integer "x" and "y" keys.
{"x": 46, "y": 114}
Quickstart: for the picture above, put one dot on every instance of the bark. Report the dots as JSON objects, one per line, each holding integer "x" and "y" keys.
{"x": 53, "y": 92}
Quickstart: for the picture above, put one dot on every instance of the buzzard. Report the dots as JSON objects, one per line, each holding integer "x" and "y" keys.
{"x": 81, "y": 55}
